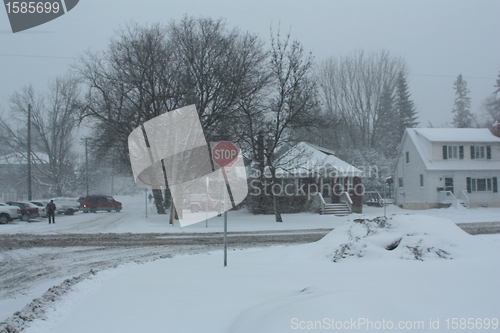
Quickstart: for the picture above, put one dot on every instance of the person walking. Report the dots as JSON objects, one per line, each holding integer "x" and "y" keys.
{"x": 51, "y": 211}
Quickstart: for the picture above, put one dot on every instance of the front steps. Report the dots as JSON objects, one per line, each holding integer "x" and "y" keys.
{"x": 338, "y": 209}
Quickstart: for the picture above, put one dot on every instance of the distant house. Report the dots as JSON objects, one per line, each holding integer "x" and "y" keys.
{"x": 14, "y": 177}
{"x": 306, "y": 169}
{"x": 437, "y": 167}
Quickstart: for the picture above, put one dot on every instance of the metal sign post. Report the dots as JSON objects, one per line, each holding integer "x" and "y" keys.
{"x": 225, "y": 238}
{"x": 388, "y": 181}
{"x": 225, "y": 215}
{"x": 225, "y": 154}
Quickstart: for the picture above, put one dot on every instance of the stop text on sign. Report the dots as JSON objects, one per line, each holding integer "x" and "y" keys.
{"x": 225, "y": 154}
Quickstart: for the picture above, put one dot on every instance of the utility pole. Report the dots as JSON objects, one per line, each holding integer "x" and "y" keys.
{"x": 113, "y": 176}
{"x": 30, "y": 194}
{"x": 86, "y": 168}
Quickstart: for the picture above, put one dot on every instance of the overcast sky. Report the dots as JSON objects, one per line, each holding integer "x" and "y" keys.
{"x": 438, "y": 39}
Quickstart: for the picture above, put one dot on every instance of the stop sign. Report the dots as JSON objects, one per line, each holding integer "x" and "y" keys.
{"x": 225, "y": 153}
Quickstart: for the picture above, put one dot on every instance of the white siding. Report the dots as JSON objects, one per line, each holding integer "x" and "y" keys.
{"x": 410, "y": 172}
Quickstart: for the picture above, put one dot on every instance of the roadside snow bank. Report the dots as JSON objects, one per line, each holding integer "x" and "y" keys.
{"x": 37, "y": 308}
{"x": 411, "y": 237}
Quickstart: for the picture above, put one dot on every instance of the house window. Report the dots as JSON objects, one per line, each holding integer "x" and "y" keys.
{"x": 407, "y": 157}
{"x": 453, "y": 152}
{"x": 421, "y": 180}
{"x": 346, "y": 182}
{"x": 400, "y": 182}
{"x": 482, "y": 185}
{"x": 480, "y": 152}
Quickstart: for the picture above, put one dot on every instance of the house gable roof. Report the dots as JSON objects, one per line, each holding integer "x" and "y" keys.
{"x": 305, "y": 158}
{"x": 423, "y": 139}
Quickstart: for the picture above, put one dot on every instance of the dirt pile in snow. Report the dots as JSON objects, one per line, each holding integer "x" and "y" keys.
{"x": 401, "y": 237}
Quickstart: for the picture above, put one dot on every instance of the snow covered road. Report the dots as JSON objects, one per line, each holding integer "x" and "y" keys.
{"x": 27, "y": 260}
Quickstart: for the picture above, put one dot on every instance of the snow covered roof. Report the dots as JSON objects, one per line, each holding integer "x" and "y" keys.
{"x": 472, "y": 135}
{"x": 305, "y": 158}
{"x": 423, "y": 138}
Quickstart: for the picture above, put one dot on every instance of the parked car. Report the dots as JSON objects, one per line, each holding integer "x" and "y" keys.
{"x": 27, "y": 209}
{"x": 93, "y": 203}
{"x": 202, "y": 202}
{"x": 8, "y": 213}
{"x": 66, "y": 205}
{"x": 41, "y": 207}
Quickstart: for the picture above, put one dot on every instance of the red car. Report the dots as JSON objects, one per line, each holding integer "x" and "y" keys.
{"x": 93, "y": 203}
{"x": 27, "y": 209}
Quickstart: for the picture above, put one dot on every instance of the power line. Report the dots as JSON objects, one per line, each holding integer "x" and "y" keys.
{"x": 411, "y": 74}
{"x": 451, "y": 76}
{"x": 33, "y": 56}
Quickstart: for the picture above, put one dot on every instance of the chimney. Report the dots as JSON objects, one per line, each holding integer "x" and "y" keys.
{"x": 496, "y": 129}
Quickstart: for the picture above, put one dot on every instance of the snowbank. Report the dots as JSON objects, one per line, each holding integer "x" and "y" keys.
{"x": 413, "y": 237}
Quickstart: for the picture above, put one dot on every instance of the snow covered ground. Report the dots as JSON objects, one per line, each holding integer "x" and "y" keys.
{"x": 133, "y": 219}
{"x": 417, "y": 272}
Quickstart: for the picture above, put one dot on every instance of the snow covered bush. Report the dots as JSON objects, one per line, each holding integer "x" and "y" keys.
{"x": 407, "y": 237}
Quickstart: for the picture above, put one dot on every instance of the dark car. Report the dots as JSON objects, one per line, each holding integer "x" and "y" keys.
{"x": 93, "y": 203}
{"x": 27, "y": 210}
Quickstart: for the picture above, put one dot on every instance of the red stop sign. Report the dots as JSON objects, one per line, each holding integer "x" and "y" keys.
{"x": 225, "y": 153}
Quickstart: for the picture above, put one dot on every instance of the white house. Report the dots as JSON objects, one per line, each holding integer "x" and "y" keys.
{"x": 437, "y": 167}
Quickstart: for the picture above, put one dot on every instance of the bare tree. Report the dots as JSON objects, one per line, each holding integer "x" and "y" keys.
{"x": 147, "y": 71}
{"x": 354, "y": 89}
{"x": 53, "y": 120}
{"x": 292, "y": 102}
{"x": 491, "y": 106}
{"x": 222, "y": 71}
{"x": 134, "y": 80}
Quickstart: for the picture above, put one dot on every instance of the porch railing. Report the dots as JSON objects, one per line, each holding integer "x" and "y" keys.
{"x": 373, "y": 198}
{"x": 322, "y": 202}
{"x": 465, "y": 198}
{"x": 345, "y": 198}
{"x": 448, "y": 196}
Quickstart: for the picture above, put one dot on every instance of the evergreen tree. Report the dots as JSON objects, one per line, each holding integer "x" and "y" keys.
{"x": 388, "y": 132}
{"x": 491, "y": 107}
{"x": 405, "y": 108}
{"x": 496, "y": 102}
{"x": 463, "y": 116}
